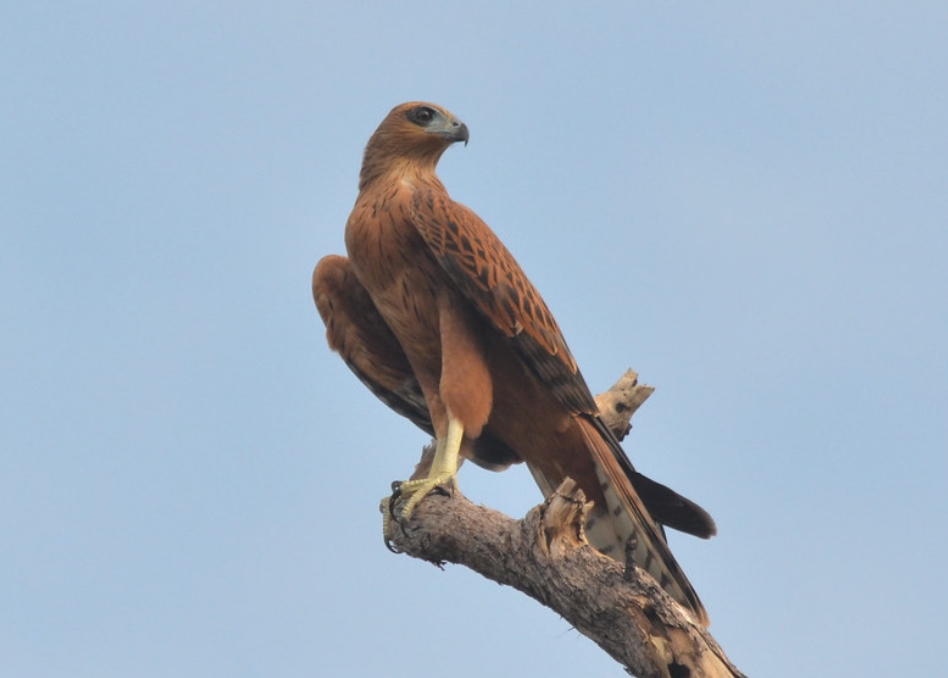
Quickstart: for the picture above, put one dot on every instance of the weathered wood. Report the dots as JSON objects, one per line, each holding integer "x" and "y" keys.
{"x": 619, "y": 403}
{"x": 545, "y": 555}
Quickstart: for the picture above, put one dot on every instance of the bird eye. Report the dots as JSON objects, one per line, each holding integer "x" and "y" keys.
{"x": 421, "y": 115}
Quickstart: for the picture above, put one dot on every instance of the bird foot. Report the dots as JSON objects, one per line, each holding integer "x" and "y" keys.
{"x": 406, "y": 495}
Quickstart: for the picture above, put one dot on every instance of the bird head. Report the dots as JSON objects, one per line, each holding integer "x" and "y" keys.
{"x": 413, "y": 134}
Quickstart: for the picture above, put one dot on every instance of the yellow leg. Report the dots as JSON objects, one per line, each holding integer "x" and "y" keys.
{"x": 444, "y": 469}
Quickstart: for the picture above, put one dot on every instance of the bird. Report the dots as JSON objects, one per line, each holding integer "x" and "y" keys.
{"x": 434, "y": 315}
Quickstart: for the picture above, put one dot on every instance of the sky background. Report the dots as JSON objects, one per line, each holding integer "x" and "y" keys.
{"x": 747, "y": 204}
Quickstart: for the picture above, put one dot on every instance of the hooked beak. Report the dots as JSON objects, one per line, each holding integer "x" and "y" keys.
{"x": 454, "y": 131}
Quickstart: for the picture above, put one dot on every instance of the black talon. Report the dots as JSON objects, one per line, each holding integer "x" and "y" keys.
{"x": 392, "y": 515}
{"x": 396, "y": 495}
{"x": 390, "y": 545}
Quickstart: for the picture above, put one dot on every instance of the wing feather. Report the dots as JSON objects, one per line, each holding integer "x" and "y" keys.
{"x": 486, "y": 273}
{"x": 356, "y": 330}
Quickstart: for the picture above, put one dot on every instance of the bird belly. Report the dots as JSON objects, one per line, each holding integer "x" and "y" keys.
{"x": 429, "y": 318}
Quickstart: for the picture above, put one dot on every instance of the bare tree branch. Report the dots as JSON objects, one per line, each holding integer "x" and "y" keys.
{"x": 545, "y": 555}
{"x": 619, "y": 403}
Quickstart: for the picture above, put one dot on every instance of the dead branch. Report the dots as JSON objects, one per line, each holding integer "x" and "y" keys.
{"x": 545, "y": 555}
{"x": 619, "y": 403}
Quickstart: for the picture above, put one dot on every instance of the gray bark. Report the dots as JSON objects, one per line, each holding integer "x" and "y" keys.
{"x": 545, "y": 555}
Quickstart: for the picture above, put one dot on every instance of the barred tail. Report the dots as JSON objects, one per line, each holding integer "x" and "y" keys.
{"x": 629, "y": 521}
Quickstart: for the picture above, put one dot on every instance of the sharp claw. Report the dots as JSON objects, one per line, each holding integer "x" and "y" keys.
{"x": 391, "y": 513}
{"x": 392, "y": 500}
{"x": 386, "y": 507}
{"x": 441, "y": 474}
{"x": 389, "y": 544}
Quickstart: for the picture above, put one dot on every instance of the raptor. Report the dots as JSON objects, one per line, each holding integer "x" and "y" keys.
{"x": 432, "y": 312}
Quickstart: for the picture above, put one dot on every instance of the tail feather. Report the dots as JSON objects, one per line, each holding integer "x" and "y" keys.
{"x": 670, "y": 509}
{"x": 630, "y": 520}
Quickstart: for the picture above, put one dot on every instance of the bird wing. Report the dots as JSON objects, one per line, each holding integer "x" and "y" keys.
{"x": 356, "y": 330}
{"x": 485, "y": 272}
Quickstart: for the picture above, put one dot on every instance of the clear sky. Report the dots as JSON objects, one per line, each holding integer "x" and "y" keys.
{"x": 747, "y": 204}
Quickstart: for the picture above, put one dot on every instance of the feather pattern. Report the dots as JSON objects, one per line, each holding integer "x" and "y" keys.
{"x": 434, "y": 314}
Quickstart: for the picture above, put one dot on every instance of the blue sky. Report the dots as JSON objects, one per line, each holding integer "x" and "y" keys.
{"x": 747, "y": 204}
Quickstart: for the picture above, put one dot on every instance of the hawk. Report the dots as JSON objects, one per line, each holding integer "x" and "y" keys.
{"x": 436, "y": 317}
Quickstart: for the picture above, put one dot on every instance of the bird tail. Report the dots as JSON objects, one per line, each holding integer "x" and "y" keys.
{"x": 629, "y": 521}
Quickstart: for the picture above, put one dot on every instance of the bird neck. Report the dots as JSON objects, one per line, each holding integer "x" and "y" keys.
{"x": 415, "y": 171}
{"x": 388, "y": 156}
